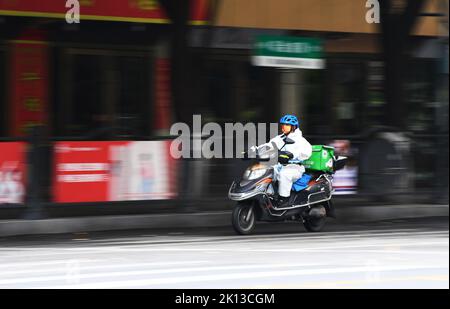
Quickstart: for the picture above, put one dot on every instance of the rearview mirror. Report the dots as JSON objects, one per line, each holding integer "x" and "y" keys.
{"x": 288, "y": 141}
{"x": 339, "y": 163}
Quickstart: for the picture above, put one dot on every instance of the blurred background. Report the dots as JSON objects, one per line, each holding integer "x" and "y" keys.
{"x": 86, "y": 108}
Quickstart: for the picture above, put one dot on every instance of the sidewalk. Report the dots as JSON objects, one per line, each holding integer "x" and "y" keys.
{"x": 349, "y": 214}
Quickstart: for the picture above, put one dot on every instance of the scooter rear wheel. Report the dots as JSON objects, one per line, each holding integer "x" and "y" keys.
{"x": 315, "y": 224}
{"x": 243, "y": 218}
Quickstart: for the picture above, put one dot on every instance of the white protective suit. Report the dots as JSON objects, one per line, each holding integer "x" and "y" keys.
{"x": 286, "y": 175}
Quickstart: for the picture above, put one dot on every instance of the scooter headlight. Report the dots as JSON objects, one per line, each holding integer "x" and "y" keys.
{"x": 251, "y": 174}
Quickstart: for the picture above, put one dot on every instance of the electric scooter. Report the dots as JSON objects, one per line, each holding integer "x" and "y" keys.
{"x": 310, "y": 199}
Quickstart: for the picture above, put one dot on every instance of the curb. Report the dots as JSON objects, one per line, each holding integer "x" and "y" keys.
{"x": 200, "y": 220}
{"x": 391, "y": 212}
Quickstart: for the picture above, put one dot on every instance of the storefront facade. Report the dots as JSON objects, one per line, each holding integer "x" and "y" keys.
{"x": 100, "y": 78}
{"x": 108, "y": 78}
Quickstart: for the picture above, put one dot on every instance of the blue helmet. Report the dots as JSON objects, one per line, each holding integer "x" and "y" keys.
{"x": 289, "y": 119}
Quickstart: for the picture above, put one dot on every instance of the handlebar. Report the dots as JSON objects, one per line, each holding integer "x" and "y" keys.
{"x": 256, "y": 157}
{"x": 295, "y": 162}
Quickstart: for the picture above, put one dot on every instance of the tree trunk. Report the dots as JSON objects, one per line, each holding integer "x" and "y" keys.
{"x": 394, "y": 60}
{"x": 396, "y": 31}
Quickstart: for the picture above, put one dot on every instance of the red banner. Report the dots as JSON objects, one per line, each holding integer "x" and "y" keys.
{"x": 29, "y": 83}
{"x": 163, "y": 100}
{"x": 144, "y": 11}
{"x": 113, "y": 171}
{"x": 12, "y": 172}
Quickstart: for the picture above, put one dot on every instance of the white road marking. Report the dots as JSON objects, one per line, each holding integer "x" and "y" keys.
{"x": 153, "y": 272}
{"x": 41, "y": 263}
{"x": 238, "y": 276}
{"x": 85, "y": 267}
{"x": 183, "y": 260}
{"x": 225, "y": 246}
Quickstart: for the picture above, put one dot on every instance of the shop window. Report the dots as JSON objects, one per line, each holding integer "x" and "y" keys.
{"x": 219, "y": 91}
{"x": 314, "y": 121}
{"x": 348, "y": 98}
{"x": 420, "y": 96}
{"x": 133, "y": 111}
{"x": 87, "y": 113}
{"x": 262, "y": 94}
{"x": 107, "y": 95}
{"x": 236, "y": 91}
{"x": 423, "y": 112}
{"x": 375, "y": 109}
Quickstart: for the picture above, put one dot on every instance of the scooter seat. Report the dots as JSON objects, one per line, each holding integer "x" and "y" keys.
{"x": 301, "y": 183}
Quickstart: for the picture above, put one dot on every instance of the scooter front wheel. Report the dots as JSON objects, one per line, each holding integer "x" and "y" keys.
{"x": 243, "y": 218}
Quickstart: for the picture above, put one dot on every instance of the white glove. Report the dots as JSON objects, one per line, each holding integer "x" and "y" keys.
{"x": 254, "y": 148}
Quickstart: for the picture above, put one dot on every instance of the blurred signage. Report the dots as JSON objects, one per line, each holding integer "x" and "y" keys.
{"x": 113, "y": 171}
{"x": 345, "y": 181}
{"x": 288, "y": 52}
{"x": 29, "y": 82}
{"x": 142, "y": 11}
{"x": 12, "y": 172}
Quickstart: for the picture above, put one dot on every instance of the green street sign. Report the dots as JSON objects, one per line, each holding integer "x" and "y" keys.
{"x": 288, "y": 52}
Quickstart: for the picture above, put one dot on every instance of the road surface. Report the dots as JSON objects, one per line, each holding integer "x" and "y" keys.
{"x": 390, "y": 254}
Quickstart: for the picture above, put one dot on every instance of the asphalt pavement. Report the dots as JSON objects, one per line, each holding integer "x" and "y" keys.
{"x": 407, "y": 253}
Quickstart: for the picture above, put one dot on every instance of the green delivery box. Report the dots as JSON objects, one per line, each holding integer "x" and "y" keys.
{"x": 321, "y": 159}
